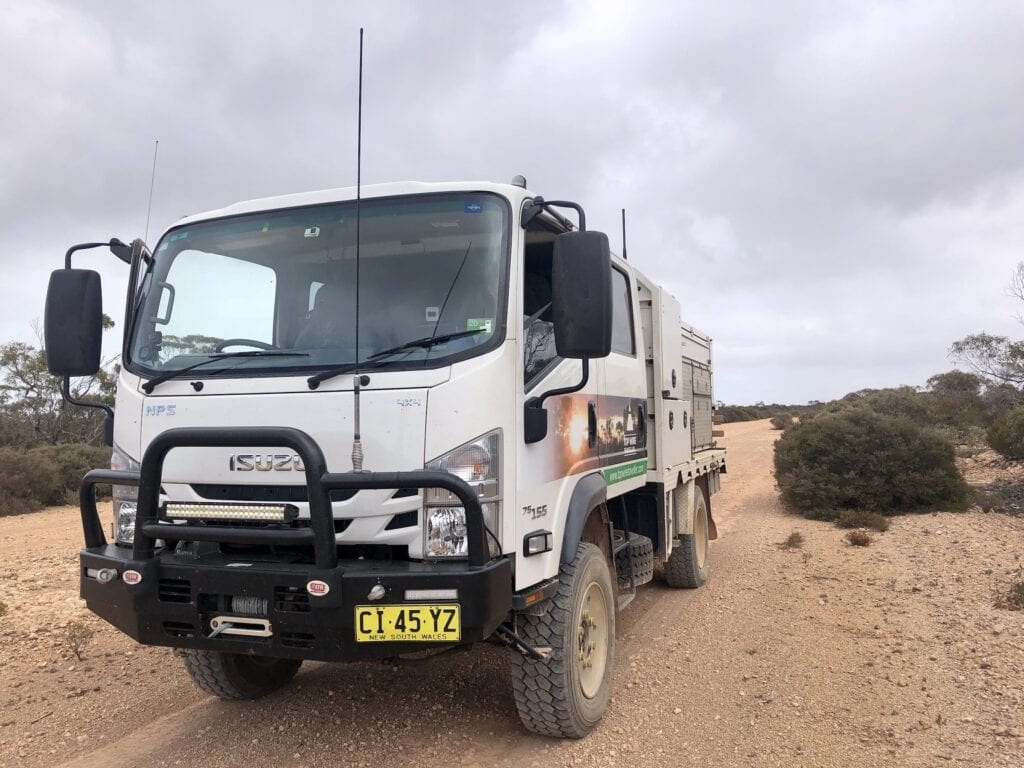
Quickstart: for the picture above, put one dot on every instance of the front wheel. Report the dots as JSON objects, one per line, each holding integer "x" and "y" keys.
{"x": 566, "y": 695}
{"x": 236, "y": 675}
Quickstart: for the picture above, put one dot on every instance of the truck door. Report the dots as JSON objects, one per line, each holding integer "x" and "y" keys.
{"x": 622, "y": 405}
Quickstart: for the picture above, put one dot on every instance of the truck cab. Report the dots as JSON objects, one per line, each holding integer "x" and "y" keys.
{"x": 352, "y": 424}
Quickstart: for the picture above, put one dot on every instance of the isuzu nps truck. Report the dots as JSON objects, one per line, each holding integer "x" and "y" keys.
{"x": 354, "y": 426}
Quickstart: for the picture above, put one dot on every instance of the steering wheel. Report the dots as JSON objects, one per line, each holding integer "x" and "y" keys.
{"x": 242, "y": 343}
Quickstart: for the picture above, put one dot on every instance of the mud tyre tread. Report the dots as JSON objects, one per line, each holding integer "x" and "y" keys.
{"x": 641, "y": 552}
{"x": 682, "y": 569}
{"x": 233, "y": 677}
{"x": 547, "y": 695}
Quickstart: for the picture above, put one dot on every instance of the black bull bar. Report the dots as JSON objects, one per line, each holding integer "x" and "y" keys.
{"x": 320, "y": 535}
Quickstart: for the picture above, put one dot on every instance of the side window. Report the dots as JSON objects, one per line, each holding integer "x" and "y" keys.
{"x": 623, "y": 340}
{"x": 538, "y": 330}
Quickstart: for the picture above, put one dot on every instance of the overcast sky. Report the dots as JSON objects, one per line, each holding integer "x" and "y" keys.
{"x": 834, "y": 191}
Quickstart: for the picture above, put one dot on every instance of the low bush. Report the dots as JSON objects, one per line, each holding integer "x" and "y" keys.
{"x": 1006, "y": 435}
{"x": 77, "y": 636}
{"x": 858, "y": 459}
{"x": 73, "y": 460}
{"x": 26, "y": 482}
{"x": 858, "y": 518}
{"x": 859, "y": 538}
{"x": 781, "y": 422}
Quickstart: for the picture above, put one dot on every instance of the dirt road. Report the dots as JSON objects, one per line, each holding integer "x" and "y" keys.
{"x": 827, "y": 655}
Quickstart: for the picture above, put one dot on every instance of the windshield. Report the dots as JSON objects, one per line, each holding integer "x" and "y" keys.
{"x": 430, "y": 267}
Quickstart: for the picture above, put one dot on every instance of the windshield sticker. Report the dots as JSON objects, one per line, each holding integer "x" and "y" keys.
{"x": 433, "y": 314}
{"x": 311, "y": 232}
{"x": 177, "y": 236}
{"x": 484, "y": 324}
{"x": 473, "y": 207}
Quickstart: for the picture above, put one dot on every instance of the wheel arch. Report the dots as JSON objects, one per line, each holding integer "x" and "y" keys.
{"x": 589, "y": 495}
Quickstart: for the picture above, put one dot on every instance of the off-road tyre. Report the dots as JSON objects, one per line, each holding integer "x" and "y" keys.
{"x": 641, "y": 553}
{"x": 231, "y": 676}
{"x": 687, "y": 566}
{"x": 559, "y": 696}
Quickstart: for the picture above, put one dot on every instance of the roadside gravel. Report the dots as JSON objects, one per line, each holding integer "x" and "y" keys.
{"x": 826, "y": 655}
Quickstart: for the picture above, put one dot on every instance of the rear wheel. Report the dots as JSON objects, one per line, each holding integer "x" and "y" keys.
{"x": 687, "y": 567}
{"x": 566, "y": 694}
{"x": 236, "y": 675}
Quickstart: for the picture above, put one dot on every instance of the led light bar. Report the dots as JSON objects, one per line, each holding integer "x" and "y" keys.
{"x": 262, "y": 513}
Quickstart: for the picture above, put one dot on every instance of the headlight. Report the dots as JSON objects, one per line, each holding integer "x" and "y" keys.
{"x": 444, "y": 528}
{"x": 126, "y": 498}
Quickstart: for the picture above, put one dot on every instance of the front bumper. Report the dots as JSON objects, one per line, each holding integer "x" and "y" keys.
{"x": 171, "y": 598}
{"x": 173, "y": 603}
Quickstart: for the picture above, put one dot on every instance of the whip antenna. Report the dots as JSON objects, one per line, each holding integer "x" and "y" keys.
{"x": 624, "y": 234}
{"x": 152, "y": 181}
{"x": 358, "y": 380}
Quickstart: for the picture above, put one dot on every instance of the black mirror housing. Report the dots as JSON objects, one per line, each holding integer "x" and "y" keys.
{"x": 581, "y": 295}
{"x": 73, "y": 329}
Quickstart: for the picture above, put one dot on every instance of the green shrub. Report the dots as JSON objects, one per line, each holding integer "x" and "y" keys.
{"x": 1006, "y": 435}
{"x": 858, "y": 518}
{"x": 781, "y": 422}
{"x": 73, "y": 460}
{"x": 858, "y": 459}
{"x": 26, "y": 481}
{"x": 900, "y": 403}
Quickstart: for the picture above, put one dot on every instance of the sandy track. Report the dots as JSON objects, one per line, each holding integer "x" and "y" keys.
{"x": 828, "y": 655}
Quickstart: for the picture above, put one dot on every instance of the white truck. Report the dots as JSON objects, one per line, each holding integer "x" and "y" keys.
{"x": 352, "y": 427}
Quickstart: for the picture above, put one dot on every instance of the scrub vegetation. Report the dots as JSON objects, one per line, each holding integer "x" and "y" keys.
{"x": 47, "y": 445}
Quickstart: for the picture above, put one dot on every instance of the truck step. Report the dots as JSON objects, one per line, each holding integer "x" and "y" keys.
{"x": 634, "y": 561}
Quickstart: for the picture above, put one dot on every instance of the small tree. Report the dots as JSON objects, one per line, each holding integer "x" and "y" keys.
{"x": 31, "y": 407}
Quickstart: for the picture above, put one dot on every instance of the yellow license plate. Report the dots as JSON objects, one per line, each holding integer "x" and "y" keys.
{"x": 421, "y": 622}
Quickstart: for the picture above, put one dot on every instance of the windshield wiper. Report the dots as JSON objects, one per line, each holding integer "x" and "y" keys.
{"x": 376, "y": 358}
{"x": 156, "y": 381}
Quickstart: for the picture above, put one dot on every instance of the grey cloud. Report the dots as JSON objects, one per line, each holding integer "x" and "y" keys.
{"x": 832, "y": 190}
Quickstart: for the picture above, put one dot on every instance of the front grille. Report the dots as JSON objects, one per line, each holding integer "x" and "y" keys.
{"x": 291, "y": 600}
{"x": 270, "y": 493}
{"x": 402, "y": 520}
{"x": 174, "y": 591}
{"x": 298, "y": 639}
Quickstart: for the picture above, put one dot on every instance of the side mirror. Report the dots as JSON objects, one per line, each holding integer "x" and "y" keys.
{"x": 581, "y": 294}
{"x": 73, "y": 329}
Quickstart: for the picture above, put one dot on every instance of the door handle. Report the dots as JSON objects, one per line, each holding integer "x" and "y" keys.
{"x": 591, "y": 424}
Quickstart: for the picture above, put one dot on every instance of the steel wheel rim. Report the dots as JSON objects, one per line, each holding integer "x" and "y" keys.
{"x": 592, "y": 640}
{"x": 700, "y": 530}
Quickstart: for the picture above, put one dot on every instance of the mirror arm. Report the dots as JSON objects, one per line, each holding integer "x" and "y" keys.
{"x": 536, "y": 415}
{"x": 538, "y": 402}
{"x": 108, "y": 422}
{"x": 531, "y": 209}
{"x": 119, "y": 249}
{"x": 65, "y": 391}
